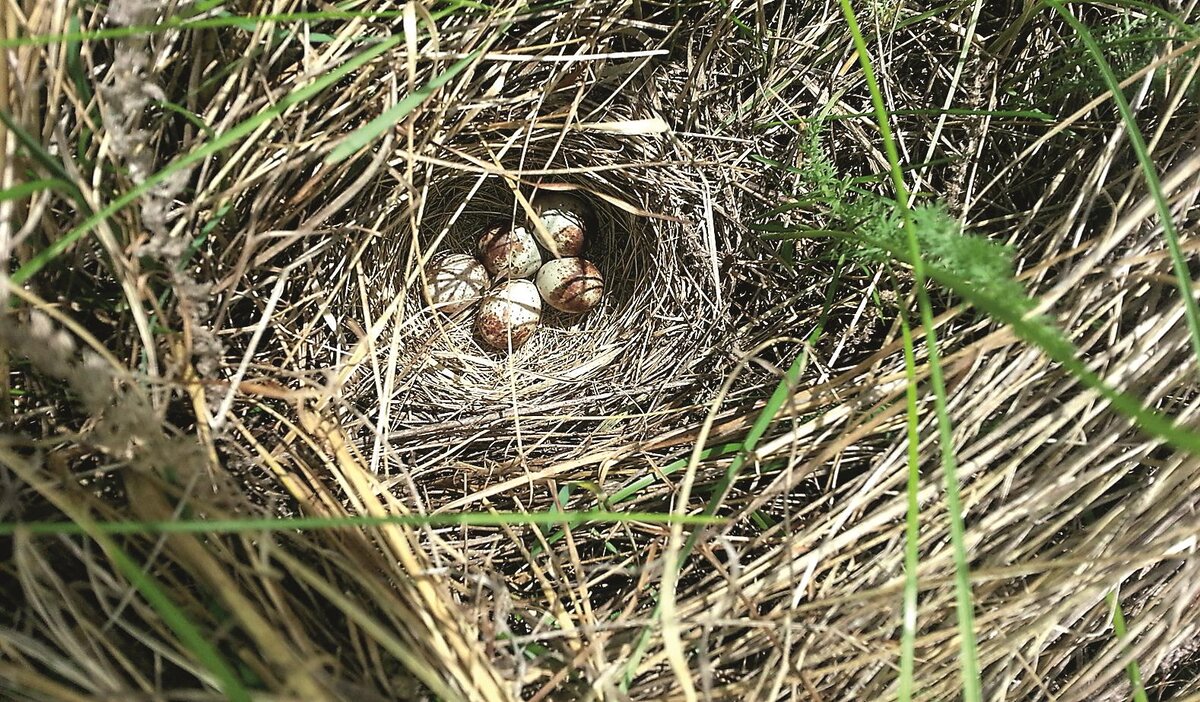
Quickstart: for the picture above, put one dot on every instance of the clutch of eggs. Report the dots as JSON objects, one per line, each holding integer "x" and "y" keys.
{"x": 510, "y": 312}
{"x": 454, "y": 283}
{"x": 565, "y": 219}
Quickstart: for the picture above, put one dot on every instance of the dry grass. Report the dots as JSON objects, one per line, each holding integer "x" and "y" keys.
{"x": 247, "y": 340}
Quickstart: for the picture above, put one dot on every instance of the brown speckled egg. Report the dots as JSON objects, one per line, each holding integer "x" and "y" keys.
{"x": 565, "y": 218}
{"x": 509, "y": 252}
{"x": 571, "y": 284}
{"x": 512, "y": 307}
{"x": 455, "y": 282}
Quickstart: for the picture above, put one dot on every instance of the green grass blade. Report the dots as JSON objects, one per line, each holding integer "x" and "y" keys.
{"x": 632, "y": 489}
{"x": 22, "y": 190}
{"x": 43, "y": 157}
{"x": 912, "y": 527}
{"x": 784, "y": 390}
{"x": 190, "y": 116}
{"x": 1183, "y": 277}
{"x": 174, "y": 617}
{"x": 1132, "y": 670}
{"x": 224, "y": 141}
{"x": 481, "y": 519}
{"x": 190, "y": 23}
{"x": 374, "y": 129}
{"x": 75, "y": 67}
{"x": 972, "y": 685}
{"x": 761, "y": 423}
{"x": 83, "y": 92}
{"x": 766, "y": 417}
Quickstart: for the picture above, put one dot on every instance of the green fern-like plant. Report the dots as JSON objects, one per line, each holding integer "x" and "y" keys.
{"x": 873, "y": 228}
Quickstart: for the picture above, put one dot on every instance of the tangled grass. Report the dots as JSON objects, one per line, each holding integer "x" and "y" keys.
{"x": 892, "y": 395}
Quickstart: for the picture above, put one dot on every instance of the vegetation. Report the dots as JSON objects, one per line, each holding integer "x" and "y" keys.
{"x": 893, "y": 394}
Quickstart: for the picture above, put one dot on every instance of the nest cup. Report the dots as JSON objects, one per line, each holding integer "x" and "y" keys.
{"x": 610, "y": 372}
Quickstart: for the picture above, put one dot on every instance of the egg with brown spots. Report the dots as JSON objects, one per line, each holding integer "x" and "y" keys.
{"x": 565, "y": 219}
{"x": 455, "y": 282}
{"x": 509, "y": 252}
{"x": 571, "y": 285}
{"x": 513, "y": 308}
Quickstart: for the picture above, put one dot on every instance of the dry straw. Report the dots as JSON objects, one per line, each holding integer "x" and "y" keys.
{"x": 249, "y": 340}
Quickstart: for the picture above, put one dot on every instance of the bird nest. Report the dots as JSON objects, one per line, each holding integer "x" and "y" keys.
{"x": 641, "y": 362}
{"x": 617, "y": 370}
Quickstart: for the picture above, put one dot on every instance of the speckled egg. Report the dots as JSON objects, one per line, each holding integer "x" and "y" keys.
{"x": 565, "y": 218}
{"x": 571, "y": 284}
{"x": 512, "y": 307}
{"x": 509, "y": 252}
{"x": 455, "y": 282}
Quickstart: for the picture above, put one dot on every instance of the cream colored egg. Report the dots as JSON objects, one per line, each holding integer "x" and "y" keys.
{"x": 571, "y": 284}
{"x": 455, "y": 282}
{"x": 565, "y": 219}
{"x": 509, "y": 252}
{"x": 511, "y": 308}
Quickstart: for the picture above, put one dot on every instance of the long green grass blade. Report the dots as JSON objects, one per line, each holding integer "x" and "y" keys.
{"x": 1042, "y": 334}
{"x": 972, "y": 685}
{"x": 190, "y": 116}
{"x": 223, "y": 141}
{"x": 21, "y": 190}
{"x": 186, "y": 23}
{"x": 175, "y": 618}
{"x": 43, "y": 157}
{"x": 1183, "y": 277}
{"x": 761, "y": 423}
{"x": 481, "y": 519}
{"x": 631, "y": 490}
{"x": 374, "y": 129}
{"x": 783, "y": 391}
{"x": 1132, "y": 670}
{"x": 912, "y": 525}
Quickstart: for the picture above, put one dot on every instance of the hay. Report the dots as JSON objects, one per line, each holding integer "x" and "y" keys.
{"x": 248, "y": 339}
